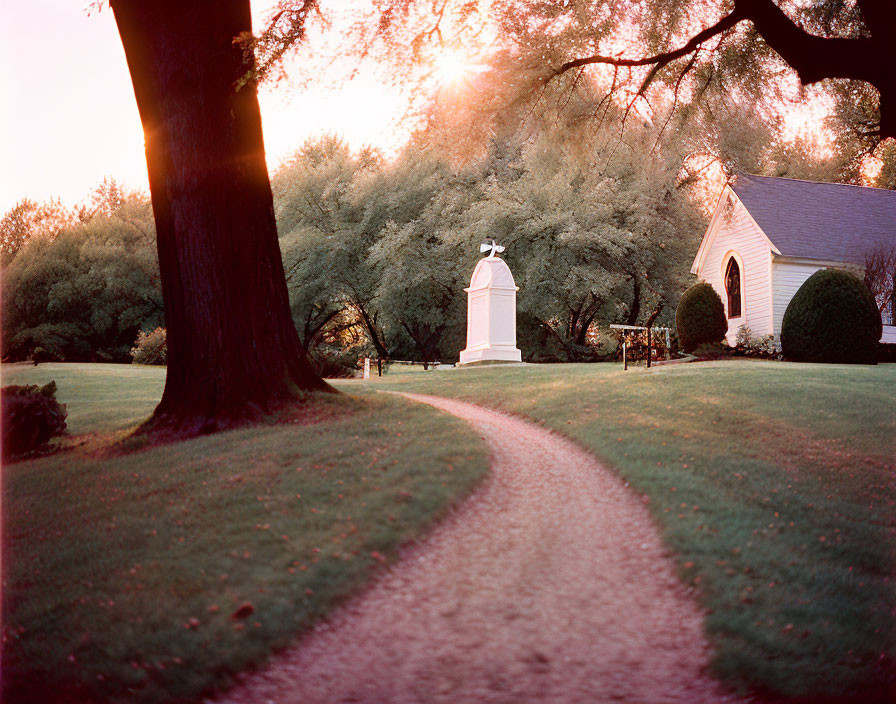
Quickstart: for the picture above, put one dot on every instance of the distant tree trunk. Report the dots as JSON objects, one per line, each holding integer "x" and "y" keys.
{"x": 635, "y": 309}
{"x": 315, "y": 322}
{"x": 233, "y": 350}
{"x": 426, "y": 340}
{"x": 654, "y": 315}
{"x": 372, "y": 331}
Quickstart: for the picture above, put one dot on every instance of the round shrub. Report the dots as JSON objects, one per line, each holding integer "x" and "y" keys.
{"x": 31, "y": 418}
{"x": 832, "y": 318}
{"x": 151, "y": 347}
{"x": 700, "y": 317}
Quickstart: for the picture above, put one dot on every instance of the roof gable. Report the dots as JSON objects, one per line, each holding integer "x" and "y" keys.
{"x": 727, "y": 209}
{"x": 825, "y": 221}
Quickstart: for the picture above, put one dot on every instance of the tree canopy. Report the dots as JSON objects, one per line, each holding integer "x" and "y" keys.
{"x": 645, "y": 55}
{"x": 82, "y": 293}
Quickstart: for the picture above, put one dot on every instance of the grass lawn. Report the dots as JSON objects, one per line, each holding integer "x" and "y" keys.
{"x": 774, "y": 485}
{"x": 157, "y": 575}
{"x": 101, "y": 398}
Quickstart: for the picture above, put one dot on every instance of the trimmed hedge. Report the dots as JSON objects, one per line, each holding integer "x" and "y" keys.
{"x": 31, "y": 418}
{"x": 832, "y": 318}
{"x": 700, "y": 317}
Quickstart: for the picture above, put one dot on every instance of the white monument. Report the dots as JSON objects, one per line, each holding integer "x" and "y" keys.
{"x": 491, "y": 311}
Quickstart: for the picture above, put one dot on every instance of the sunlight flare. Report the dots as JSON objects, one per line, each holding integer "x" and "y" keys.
{"x": 450, "y": 67}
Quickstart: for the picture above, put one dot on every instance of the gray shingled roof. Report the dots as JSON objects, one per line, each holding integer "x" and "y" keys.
{"x": 828, "y": 221}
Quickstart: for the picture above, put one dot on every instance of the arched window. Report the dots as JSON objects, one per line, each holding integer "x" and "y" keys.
{"x": 733, "y": 287}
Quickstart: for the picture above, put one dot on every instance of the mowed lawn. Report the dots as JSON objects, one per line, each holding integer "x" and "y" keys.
{"x": 100, "y": 398}
{"x": 158, "y": 575}
{"x": 774, "y": 485}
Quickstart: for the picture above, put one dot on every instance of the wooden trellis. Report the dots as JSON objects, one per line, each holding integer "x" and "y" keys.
{"x": 634, "y": 336}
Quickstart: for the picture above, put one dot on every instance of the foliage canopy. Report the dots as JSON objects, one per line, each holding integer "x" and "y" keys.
{"x": 82, "y": 293}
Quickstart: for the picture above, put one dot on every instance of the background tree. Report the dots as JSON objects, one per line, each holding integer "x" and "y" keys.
{"x": 84, "y": 293}
{"x": 317, "y": 219}
{"x": 880, "y": 276}
{"x": 340, "y": 206}
{"x": 423, "y": 266}
{"x": 27, "y": 220}
{"x": 595, "y": 232}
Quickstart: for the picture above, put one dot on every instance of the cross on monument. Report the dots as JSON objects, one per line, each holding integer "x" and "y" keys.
{"x": 494, "y": 247}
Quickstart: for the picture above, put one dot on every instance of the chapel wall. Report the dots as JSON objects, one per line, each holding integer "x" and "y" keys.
{"x": 787, "y": 279}
{"x": 738, "y": 232}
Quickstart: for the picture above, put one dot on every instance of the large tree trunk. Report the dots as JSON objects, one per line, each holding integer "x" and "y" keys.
{"x": 233, "y": 351}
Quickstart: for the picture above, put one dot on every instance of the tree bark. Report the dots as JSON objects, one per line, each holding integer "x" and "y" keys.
{"x": 233, "y": 350}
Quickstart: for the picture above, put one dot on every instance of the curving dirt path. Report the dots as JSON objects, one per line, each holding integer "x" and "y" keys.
{"x": 550, "y": 584}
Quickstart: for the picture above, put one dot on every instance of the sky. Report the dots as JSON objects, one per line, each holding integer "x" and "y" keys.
{"x": 68, "y": 117}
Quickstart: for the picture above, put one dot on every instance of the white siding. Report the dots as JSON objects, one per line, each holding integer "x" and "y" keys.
{"x": 889, "y": 335}
{"x": 786, "y": 281}
{"x": 738, "y": 232}
{"x": 787, "y": 277}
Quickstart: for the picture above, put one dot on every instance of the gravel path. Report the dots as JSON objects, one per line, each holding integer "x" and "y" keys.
{"x": 550, "y": 584}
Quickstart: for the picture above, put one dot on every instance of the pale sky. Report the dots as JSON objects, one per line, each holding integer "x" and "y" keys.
{"x": 68, "y": 116}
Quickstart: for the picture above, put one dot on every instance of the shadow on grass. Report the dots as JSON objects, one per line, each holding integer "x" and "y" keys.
{"x": 158, "y": 575}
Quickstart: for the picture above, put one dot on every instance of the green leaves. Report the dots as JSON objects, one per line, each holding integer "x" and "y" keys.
{"x": 84, "y": 292}
{"x": 385, "y": 250}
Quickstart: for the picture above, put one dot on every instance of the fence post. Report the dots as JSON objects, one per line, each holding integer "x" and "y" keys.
{"x": 649, "y": 354}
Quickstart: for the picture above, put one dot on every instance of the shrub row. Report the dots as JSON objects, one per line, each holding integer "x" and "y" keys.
{"x": 832, "y": 318}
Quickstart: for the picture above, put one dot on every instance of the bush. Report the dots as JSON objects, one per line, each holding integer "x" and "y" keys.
{"x": 744, "y": 336}
{"x": 711, "y": 350}
{"x": 700, "y": 317}
{"x": 151, "y": 347}
{"x": 41, "y": 355}
{"x": 332, "y": 362}
{"x": 765, "y": 347}
{"x": 49, "y": 342}
{"x": 31, "y": 418}
{"x": 832, "y": 318}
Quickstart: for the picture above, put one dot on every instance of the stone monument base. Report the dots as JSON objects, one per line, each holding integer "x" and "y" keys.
{"x": 494, "y": 353}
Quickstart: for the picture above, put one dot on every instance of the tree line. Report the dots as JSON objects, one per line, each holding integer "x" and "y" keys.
{"x": 79, "y": 284}
{"x": 600, "y": 227}
{"x": 377, "y": 252}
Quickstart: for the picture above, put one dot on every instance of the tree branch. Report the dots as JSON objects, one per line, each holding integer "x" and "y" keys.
{"x": 658, "y": 60}
{"x": 813, "y": 58}
{"x": 866, "y": 58}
